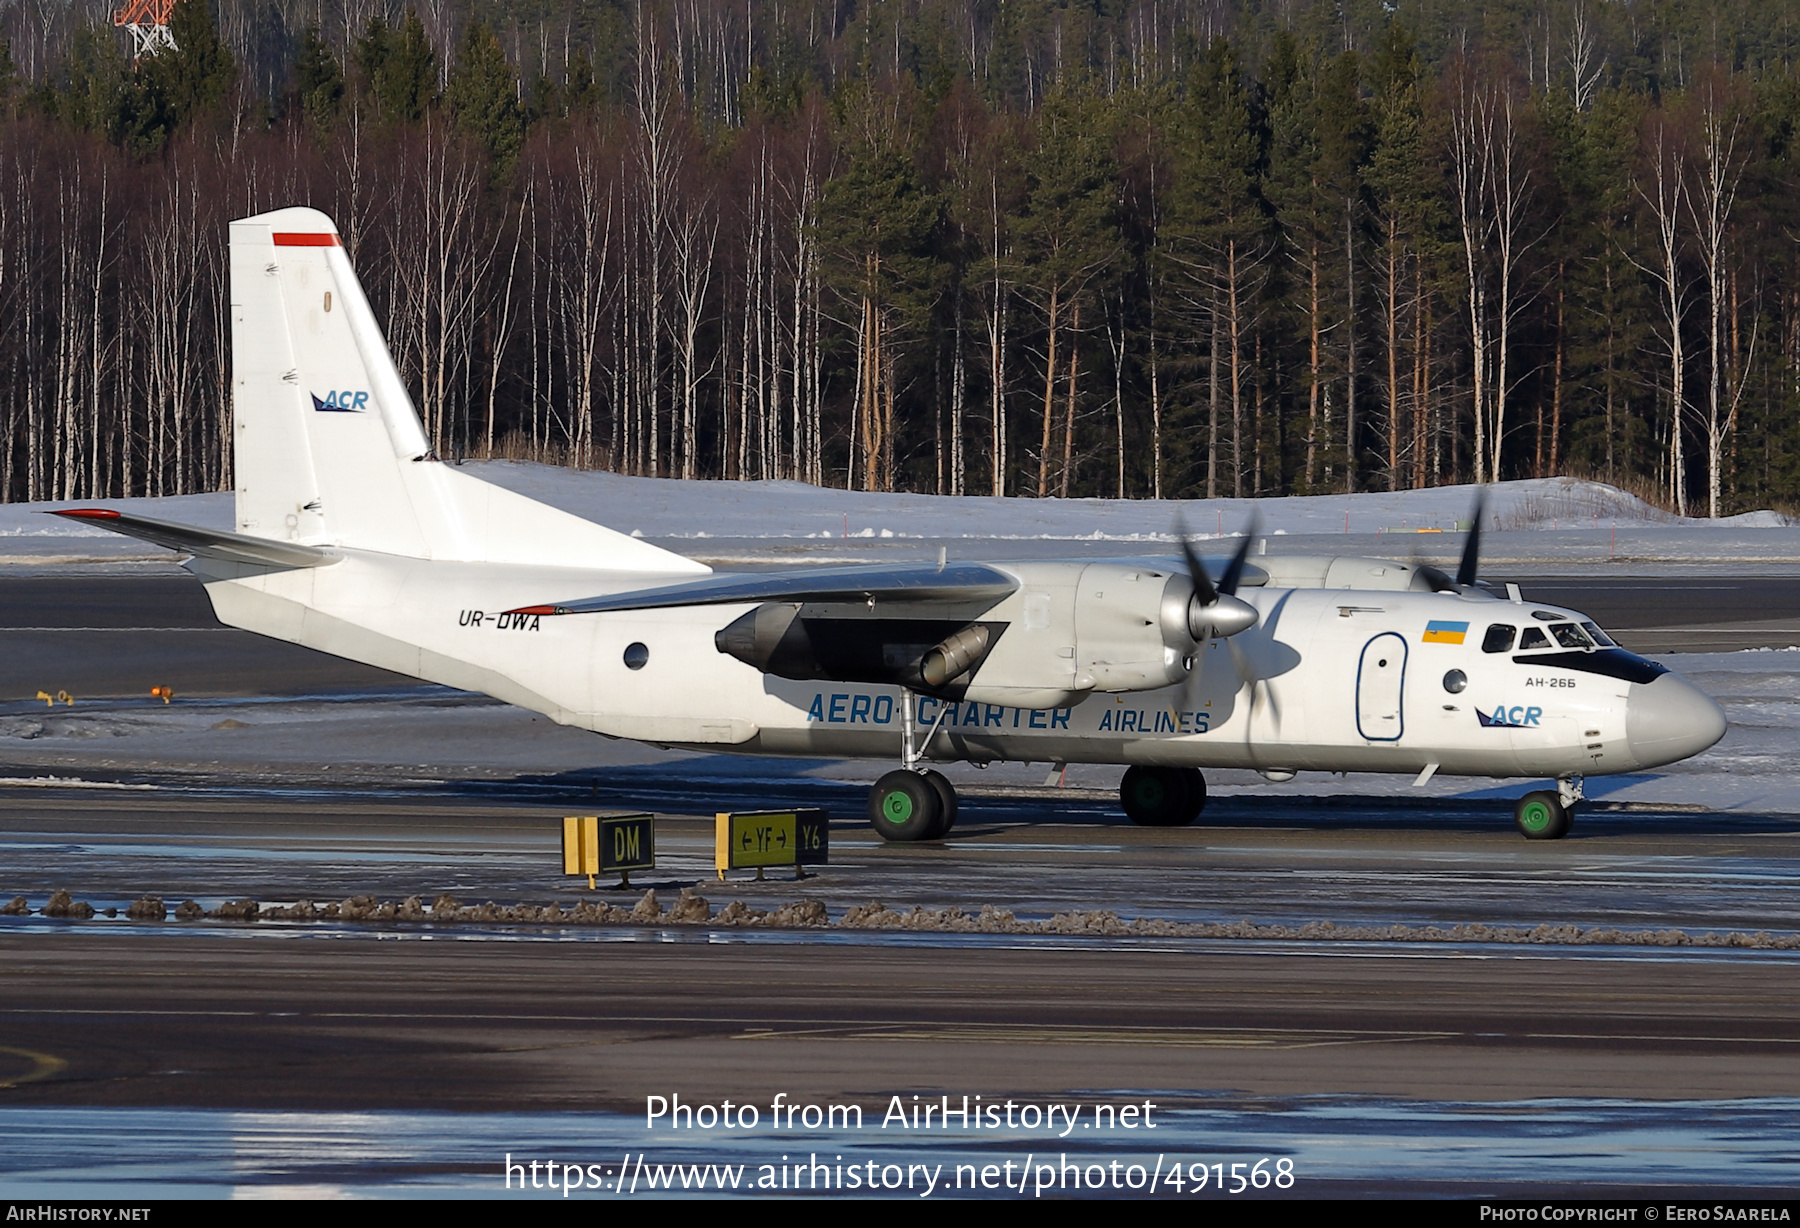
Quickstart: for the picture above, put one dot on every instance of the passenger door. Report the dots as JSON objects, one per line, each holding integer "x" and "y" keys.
{"x": 1381, "y": 688}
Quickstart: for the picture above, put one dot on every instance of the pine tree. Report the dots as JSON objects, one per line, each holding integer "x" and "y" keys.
{"x": 8, "y": 77}
{"x": 1218, "y": 231}
{"x": 483, "y": 94}
{"x": 318, "y": 81}
{"x": 196, "y": 75}
{"x": 93, "y": 82}
{"x": 398, "y": 67}
{"x": 1400, "y": 194}
{"x": 1069, "y": 237}
{"x": 876, "y": 226}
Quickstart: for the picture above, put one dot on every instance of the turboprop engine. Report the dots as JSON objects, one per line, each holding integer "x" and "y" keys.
{"x": 1067, "y": 630}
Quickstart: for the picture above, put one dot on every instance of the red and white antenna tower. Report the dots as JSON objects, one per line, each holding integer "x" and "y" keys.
{"x": 148, "y": 21}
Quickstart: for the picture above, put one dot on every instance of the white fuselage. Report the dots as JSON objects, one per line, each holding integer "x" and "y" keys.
{"x": 1339, "y": 680}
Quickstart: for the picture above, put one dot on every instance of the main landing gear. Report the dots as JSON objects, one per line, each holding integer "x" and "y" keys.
{"x": 911, "y": 802}
{"x": 1162, "y": 796}
{"x": 1543, "y": 815}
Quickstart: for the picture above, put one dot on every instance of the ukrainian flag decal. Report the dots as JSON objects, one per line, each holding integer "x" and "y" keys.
{"x": 1437, "y": 631}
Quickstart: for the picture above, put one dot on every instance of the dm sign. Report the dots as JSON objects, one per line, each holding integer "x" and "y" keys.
{"x": 594, "y": 844}
{"x": 754, "y": 839}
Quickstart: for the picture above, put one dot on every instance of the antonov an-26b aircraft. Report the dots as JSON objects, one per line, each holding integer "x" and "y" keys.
{"x": 352, "y": 538}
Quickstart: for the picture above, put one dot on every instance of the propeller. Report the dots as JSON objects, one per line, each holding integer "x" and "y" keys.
{"x": 1216, "y": 612}
{"x": 1467, "y": 571}
{"x": 1471, "y": 556}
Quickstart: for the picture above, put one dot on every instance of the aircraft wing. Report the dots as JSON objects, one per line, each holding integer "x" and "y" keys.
{"x": 913, "y": 584}
{"x": 209, "y": 543}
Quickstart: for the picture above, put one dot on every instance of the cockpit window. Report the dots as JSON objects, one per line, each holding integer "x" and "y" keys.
{"x": 1534, "y": 637}
{"x": 1600, "y": 637}
{"x": 1570, "y": 636}
{"x": 1499, "y": 638}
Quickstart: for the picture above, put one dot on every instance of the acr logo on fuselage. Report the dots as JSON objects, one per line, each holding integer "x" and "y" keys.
{"x": 347, "y": 401}
{"x": 1502, "y": 717}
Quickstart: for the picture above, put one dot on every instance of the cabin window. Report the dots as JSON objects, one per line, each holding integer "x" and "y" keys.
{"x": 1499, "y": 638}
{"x": 1534, "y": 637}
{"x": 636, "y": 656}
{"x": 1570, "y": 636}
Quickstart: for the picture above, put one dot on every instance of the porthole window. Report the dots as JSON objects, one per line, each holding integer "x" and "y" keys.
{"x": 1455, "y": 681}
{"x": 636, "y": 655}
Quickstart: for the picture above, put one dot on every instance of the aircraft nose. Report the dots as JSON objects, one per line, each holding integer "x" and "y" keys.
{"x": 1669, "y": 718}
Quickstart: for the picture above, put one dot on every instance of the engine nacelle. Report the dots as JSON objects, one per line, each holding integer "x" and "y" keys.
{"x": 1132, "y": 628}
{"x": 1077, "y": 628}
{"x": 1069, "y": 630}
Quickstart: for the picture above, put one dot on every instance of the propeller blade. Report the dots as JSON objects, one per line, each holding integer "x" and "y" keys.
{"x": 1258, "y": 686}
{"x": 1228, "y": 584}
{"x": 1439, "y": 582}
{"x": 1203, "y": 585}
{"x": 1471, "y": 555}
{"x": 1191, "y": 688}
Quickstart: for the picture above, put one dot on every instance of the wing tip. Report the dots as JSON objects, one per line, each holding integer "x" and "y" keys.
{"x": 86, "y": 513}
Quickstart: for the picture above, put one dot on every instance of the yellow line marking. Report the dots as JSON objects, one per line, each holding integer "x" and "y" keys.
{"x": 43, "y": 1065}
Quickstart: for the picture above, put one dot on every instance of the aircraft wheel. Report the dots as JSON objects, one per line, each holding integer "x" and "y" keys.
{"x": 905, "y": 806}
{"x": 1542, "y": 816}
{"x": 1156, "y": 797}
{"x": 1196, "y": 792}
{"x": 946, "y": 799}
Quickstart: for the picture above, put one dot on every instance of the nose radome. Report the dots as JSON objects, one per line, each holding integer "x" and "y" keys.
{"x": 1668, "y": 719}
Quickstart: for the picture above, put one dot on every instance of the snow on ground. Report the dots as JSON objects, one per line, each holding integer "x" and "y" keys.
{"x": 1550, "y": 520}
{"x": 793, "y": 509}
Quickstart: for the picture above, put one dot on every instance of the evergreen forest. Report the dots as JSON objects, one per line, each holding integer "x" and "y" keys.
{"x": 1041, "y": 248}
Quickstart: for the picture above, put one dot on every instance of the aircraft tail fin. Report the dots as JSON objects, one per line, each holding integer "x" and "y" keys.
{"x": 329, "y": 449}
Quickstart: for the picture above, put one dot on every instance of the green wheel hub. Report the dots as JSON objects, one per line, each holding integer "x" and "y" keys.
{"x": 896, "y": 806}
{"x": 1542, "y": 816}
{"x": 1535, "y": 816}
{"x": 1150, "y": 792}
{"x": 905, "y": 806}
{"x": 1160, "y": 796}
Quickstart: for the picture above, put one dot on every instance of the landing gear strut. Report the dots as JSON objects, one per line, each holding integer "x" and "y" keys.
{"x": 1162, "y": 796}
{"x": 913, "y": 803}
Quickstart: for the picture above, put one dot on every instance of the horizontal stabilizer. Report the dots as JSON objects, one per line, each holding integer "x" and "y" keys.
{"x": 924, "y": 582}
{"x": 209, "y": 543}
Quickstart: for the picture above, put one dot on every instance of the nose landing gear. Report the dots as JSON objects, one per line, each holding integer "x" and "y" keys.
{"x": 1543, "y": 815}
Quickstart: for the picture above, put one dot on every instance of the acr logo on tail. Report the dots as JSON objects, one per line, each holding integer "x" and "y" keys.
{"x": 345, "y": 402}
